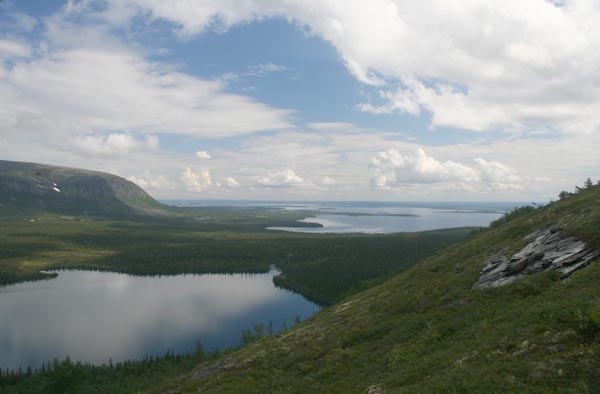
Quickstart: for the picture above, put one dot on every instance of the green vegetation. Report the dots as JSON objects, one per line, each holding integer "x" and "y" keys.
{"x": 428, "y": 330}
{"x": 26, "y": 187}
{"x": 321, "y": 267}
{"x": 150, "y": 238}
{"x": 67, "y": 376}
{"x": 425, "y": 329}
{"x": 325, "y": 268}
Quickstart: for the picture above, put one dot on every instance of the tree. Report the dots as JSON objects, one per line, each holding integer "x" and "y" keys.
{"x": 588, "y": 183}
{"x": 564, "y": 194}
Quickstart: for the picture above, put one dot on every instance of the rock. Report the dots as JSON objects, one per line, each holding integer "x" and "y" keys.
{"x": 548, "y": 250}
{"x": 376, "y": 389}
{"x": 204, "y": 371}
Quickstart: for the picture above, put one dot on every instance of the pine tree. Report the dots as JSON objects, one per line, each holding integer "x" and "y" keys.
{"x": 563, "y": 195}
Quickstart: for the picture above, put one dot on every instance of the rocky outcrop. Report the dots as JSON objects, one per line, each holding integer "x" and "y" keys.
{"x": 376, "y": 389}
{"x": 547, "y": 250}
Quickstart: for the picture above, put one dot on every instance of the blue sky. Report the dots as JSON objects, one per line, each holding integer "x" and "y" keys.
{"x": 307, "y": 99}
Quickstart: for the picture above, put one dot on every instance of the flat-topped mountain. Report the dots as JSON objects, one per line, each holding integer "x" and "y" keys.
{"x": 31, "y": 186}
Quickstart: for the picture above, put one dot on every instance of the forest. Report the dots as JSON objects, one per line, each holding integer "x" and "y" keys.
{"x": 66, "y": 376}
{"x": 322, "y": 267}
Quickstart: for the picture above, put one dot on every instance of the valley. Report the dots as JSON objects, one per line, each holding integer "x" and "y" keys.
{"x": 299, "y": 197}
{"x": 399, "y": 311}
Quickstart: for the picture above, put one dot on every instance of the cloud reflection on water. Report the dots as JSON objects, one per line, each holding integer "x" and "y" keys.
{"x": 92, "y": 316}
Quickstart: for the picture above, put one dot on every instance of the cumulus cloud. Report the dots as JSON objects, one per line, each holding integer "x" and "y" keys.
{"x": 395, "y": 170}
{"x": 497, "y": 175}
{"x": 230, "y": 182}
{"x": 78, "y": 93}
{"x": 520, "y": 65}
{"x": 202, "y": 154}
{"x": 196, "y": 181}
{"x": 327, "y": 181}
{"x": 281, "y": 179}
{"x": 152, "y": 182}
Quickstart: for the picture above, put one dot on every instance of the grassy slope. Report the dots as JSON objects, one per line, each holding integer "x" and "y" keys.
{"x": 427, "y": 330}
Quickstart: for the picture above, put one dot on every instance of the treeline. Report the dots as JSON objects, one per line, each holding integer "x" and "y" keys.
{"x": 518, "y": 212}
{"x": 325, "y": 269}
{"x": 587, "y": 185}
{"x": 514, "y": 214}
{"x": 322, "y": 267}
{"x": 128, "y": 376}
{"x": 8, "y": 278}
{"x": 123, "y": 377}
{"x": 196, "y": 256}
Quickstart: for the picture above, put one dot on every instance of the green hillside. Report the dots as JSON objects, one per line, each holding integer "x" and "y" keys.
{"x": 26, "y": 187}
{"x": 428, "y": 330}
{"x": 514, "y": 308}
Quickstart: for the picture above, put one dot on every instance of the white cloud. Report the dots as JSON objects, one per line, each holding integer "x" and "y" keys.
{"x": 79, "y": 82}
{"x": 115, "y": 144}
{"x": 263, "y": 69}
{"x": 497, "y": 175}
{"x": 196, "y": 181}
{"x": 13, "y": 49}
{"x": 244, "y": 79}
{"x": 151, "y": 182}
{"x": 344, "y": 154}
{"x": 90, "y": 89}
{"x": 327, "y": 181}
{"x": 202, "y": 154}
{"x": 281, "y": 179}
{"x": 331, "y": 126}
{"x": 230, "y": 182}
{"x": 79, "y": 95}
{"x": 395, "y": 170}
{"x": 271, "y": 67}
{"x": 24, "y": 22}
{"x": 525, "y": 65}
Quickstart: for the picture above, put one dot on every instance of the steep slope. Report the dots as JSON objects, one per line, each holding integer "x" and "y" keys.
{"x": 30, "y": 186}
{"x": 432, "y": 330}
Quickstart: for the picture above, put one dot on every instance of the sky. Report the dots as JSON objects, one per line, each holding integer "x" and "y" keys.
{"x": 386, "y": 100}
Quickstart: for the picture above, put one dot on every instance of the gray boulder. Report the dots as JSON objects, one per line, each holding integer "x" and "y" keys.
{"x": 547, "y": 250}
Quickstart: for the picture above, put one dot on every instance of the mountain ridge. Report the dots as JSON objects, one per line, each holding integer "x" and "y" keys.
{"x": 26, "y": 186}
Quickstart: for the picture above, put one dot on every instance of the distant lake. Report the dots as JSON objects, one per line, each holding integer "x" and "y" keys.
{"x": 375, "y": 217}
{"x": 394, "y": 219}
{"x": 93, "y": 316}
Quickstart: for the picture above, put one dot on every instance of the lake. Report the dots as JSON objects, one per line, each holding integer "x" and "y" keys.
{"x": 93, "y": 316}
{"x": 373, "y": 217}
{"x": 383, "y": 218}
